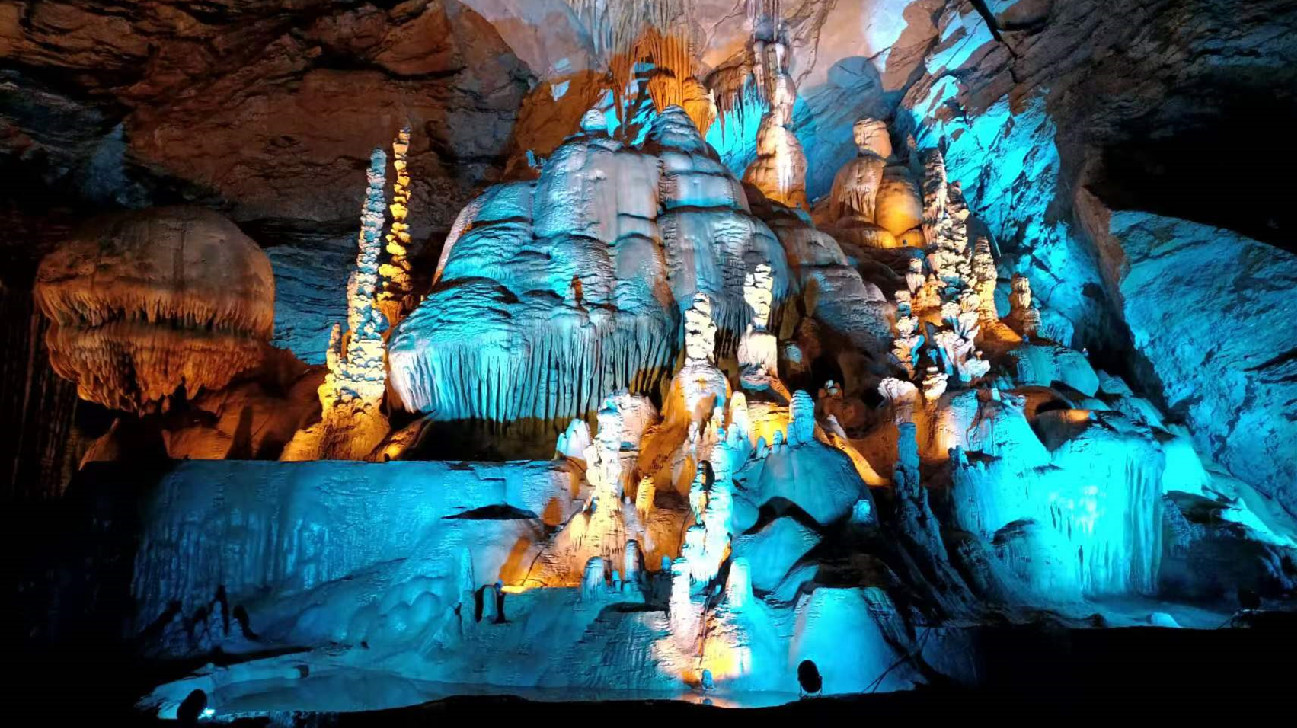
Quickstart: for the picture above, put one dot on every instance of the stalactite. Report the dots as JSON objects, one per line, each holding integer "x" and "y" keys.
{"x": 150, "y": 304}
{"x": 624, "y": 32}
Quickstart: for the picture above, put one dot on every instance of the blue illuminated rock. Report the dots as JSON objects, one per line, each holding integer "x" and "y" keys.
{"x": 1207, "y": 309}
{"x": 773, "y": 550}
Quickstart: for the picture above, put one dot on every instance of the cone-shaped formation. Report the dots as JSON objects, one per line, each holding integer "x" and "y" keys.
{"x": 146, "y": 304}
{"x": 874, "y": 202}
{"x": 352, "y": 423}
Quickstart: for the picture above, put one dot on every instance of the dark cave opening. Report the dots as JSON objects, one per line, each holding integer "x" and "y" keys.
{"x": 1220, "y": 156}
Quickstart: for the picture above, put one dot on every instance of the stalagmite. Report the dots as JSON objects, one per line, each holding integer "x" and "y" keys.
{"x": 874, "y": 202}
{"x": 633, "y": 563}
{"x": 738, "y": 587}
{"x": 352, "y": 423}
{"x": 985, "y": 275}
{"x": 901, "y": 396}
{"x": 908, "y": 342}
{"x": 914, "y": 278}
{"x": 1023, "y": 316}
{"x": 575, "y": 440}
{"x": 779, "y": 171}
{"x": 758, "y": 349}
{"x": 396, "y": 284}
{"x": 801, "y": 425}
{"x": 593, "y": 580}
{"x": 855, "y": 188}
{"x": 934, "y": 384}
{"x": 699, "y": 382}
{"x": 644, "y": 498}
{"x": 685, "y": 615}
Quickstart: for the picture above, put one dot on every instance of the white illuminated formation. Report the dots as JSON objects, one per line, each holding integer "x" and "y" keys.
{"x": 571, "y": 286}
{"x": 948, "y": 297}
{"x": 758, "y": 349}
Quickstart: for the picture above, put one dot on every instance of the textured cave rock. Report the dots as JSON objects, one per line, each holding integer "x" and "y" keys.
{"x": 295, "y": 527}
{"x": 1048, "y": 87}
{"x": 734, "y": 535}
{"x": 269, "y": 108}
{"x": 1151, "y": 109}
{"x": 1202, "y": 303}
{"x": 265, "y": 110}
{"x": 272, "y": 109}
{"x": 145, "y": 305}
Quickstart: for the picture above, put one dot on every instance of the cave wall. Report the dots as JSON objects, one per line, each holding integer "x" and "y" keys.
{"x": 266, "y": 111}
{"x": 1176, "y": 108}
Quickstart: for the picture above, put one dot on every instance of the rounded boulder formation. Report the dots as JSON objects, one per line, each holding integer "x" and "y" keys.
{"x": 151, "y": 304}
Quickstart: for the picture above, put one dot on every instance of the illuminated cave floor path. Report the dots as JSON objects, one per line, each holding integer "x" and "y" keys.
{"x": 330, "y": 688}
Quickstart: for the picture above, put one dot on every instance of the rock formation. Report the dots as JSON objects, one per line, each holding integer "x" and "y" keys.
{"x": 779, "y": 170}
{"x": 352, "y": 423}
{"x": 582, "y": 275}
{"x": 874, "y": 202}
{"x": 154, "y": 305}
{"x": 758, "y": 352}
{"x": 773, "y": 448}
{"x": 395, "y": 274}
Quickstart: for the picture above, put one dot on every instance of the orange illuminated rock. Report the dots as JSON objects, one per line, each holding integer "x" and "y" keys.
{"x": 157, "y": 303}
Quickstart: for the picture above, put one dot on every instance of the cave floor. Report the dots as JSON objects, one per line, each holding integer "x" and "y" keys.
{"x": 1243, "y": 669}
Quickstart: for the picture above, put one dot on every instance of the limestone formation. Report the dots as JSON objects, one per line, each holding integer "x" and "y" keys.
{"x": 1023, "y": 316}
{"x": 352, "y": 424}
{"x": 151, "y": 306}
{"x": 901, "y": 396}
{"x": 758, "y": 349}
{"x": 934, "y": 383}
{"x": 801, "y": 423}
{"x": 396, "y": 285}
{"x": 779, "y": 171}
{"x": 699, "y": 382}
{"x": 730, "y": 542}
{"x": 874, "y": 202}
{"x": 644, "y": 498}
{"x": 588, "y": 269}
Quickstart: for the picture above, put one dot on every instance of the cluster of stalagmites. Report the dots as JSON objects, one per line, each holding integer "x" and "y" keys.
{"x": 948, "y": 294}
{"x": 352, "y": 423}
{"x": 701, "y": 470}
{"x": 1043, "y": 521}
